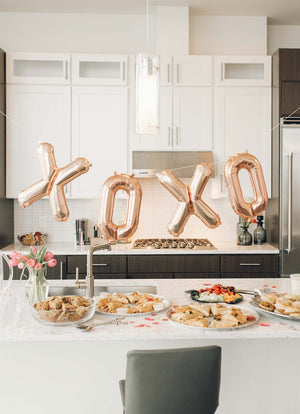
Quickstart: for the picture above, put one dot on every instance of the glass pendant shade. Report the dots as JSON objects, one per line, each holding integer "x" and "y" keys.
{"x": 147, "y": 94}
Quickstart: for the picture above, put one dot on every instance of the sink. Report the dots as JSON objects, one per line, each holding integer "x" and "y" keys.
{"x": 73, "y": 290}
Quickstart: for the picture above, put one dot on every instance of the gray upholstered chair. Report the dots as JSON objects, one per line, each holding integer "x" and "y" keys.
{"x": 172, "y": 381}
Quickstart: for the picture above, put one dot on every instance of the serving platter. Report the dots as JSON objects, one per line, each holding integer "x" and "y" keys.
{"x": 163, "y": 301}
{"x": 254, "y": 302}
{"x": 247, "y": 311}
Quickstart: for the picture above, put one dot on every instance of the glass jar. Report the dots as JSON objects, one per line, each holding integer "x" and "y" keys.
{"x": 37, "y": 286}
{"x": 244, "y": 238}
{"x": 260, "y": 234}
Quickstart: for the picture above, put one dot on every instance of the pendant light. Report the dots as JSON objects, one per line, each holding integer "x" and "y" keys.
{"x": 147, "y": 90}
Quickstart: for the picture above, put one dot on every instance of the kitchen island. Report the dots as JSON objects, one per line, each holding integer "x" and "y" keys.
{"x": 47, "y": 368}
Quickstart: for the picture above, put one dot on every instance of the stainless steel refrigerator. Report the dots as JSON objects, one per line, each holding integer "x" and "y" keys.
{"x": 289, "y": 196}
{"x": 6, "y": 206}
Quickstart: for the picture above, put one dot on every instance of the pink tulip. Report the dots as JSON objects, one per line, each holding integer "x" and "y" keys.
{"x": 30, "y": 263}
{"x": 33, "y": 249}
{"x": 13, "y": 254}
{"x": 24, "y": 258}
{"x": 20, "y": 265}
{"x": 49, "y": 256}
{"x": 38, "y": 266}
{"x": 14, "y": 262}
{"x": 52, "y": 263}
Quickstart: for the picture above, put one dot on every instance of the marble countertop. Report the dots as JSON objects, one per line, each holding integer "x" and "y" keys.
{"x": 17, "y": 324}
{"x": 125, "y": 249}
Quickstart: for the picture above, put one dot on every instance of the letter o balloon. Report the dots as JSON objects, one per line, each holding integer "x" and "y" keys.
{"x": 111, "y": 186}
{"x": 249, "y": 162}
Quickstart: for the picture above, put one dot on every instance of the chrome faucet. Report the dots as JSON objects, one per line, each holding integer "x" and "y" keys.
{"x": 89, "y": 277}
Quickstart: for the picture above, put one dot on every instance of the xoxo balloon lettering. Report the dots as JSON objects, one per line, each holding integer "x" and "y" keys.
{"x": 53, "y": 181}
{"x": 112, "y": 185}
{"x": 189, "y": 199}
{"x": 247, "y": 211}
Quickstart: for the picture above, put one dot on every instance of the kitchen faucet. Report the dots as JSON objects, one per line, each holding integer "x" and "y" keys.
{"x": 89, "y": 280}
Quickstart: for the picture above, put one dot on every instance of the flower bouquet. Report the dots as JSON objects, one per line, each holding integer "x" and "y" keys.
{"x": 35, "y": 263}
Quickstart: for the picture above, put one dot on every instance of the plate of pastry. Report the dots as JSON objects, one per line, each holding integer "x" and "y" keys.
{"x": 216, "y": 294}
{"x": 215, "y": 316}
{"x": 130, "y": 304}
{"x": 285, "y": 306}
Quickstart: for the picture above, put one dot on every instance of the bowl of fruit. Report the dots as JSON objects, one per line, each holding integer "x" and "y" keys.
{"x": 32, "y": 239}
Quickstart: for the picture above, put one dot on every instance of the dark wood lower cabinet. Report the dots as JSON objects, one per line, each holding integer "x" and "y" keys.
{"x": 165, "y": 266}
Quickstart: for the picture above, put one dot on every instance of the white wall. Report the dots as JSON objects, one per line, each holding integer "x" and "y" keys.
{"x": 283, "y": 37}
{"x": 223, "y": 35}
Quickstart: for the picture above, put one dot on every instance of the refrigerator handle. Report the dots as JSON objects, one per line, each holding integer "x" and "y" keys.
{"x": 290, "y": 200}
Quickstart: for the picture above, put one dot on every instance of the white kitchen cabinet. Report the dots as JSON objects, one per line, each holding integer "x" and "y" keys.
{"x": 38, "y": 68}
{"x": 192, "y": 119}
{"x": 162, "y": 140}
{"x": 242, "y": 70}
{"x": 242, "y": 121}
{"x": 192, "y": 70}
{"x": 99, "y": 133}
{"x": 94, "y": 69}
{"x": 35, "y": 114}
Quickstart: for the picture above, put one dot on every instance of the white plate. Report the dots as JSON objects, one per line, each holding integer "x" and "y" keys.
{"x": 256, "y": 301}
{"x": 246, "y": 311}
{"x": 166, "y": 304}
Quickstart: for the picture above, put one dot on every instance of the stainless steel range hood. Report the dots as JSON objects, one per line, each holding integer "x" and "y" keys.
{"x": 145, "y": 164}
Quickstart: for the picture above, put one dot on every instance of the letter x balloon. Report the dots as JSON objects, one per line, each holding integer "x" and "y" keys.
{"x": 189, "y": 199}
{"x": 53, "y": 182}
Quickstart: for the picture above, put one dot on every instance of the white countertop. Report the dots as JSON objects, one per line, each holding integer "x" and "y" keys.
{"x": 17, "y": 324}
{"x": 125, "y": 249}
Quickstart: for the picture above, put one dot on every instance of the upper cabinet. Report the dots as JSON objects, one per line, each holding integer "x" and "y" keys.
{"x": 38, "y": 68}
{"x": 242, "y": 121}
{"x": 242, "y": 70}
{"x": 192, "y": 119}
{"x": 192, "y": 70}
{"x": 99, "y": 69}
{"x": 99, "y": 133}
{"x": 35, "y": 114}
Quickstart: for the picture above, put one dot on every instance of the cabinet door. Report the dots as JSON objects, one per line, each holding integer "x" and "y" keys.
{"x": 99, "y": 69}
{"x": 242, "y": 121}
{"x": 99, "y": 133}
{"x": 162, "y": 140}
{"x": 192, "y": 70}
{"x": 38, "y": 68}
{"x": 242, "y": 70}
{"x": 192, "y": 119}
{"x": 35, "y": 114}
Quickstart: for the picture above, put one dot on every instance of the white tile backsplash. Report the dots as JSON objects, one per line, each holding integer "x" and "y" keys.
{"x": 157, "y": 208}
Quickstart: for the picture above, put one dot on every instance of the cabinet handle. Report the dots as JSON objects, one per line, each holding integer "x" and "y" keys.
{"x": 250, "y": 264}
{"x": 123, "y": 71}
{"x": 65, "y": 69}
{"x": 177, "y": 135}
{"x": 221, "y": 183}
{"x": 168, "y": 73}
{"x": 290, "y": 200}
{"x": 61, "y": 270}
{"x": 169, "y": 136}
{"x": 100, "y": 264}
{"x": 177, "y": 70}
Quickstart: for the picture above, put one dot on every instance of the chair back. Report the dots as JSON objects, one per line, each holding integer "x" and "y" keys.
{"x": 175, "y": 381}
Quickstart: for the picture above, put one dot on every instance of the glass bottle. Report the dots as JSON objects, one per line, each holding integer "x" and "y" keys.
{"x": 244, "y": 238}
{"x": 260, "y": 234}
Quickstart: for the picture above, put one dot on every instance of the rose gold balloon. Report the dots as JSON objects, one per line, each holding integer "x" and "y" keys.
{"x": 64, "y": 175}
{"x": 181, "y": 192}
{"x": 200, "y": 208}
{"x": 42, "y": 187}
{"x": 189, "y": 198}
{"x": 112, "y": 185}
{"x": 53, "y": 182}
{"x": 247, "y": 211}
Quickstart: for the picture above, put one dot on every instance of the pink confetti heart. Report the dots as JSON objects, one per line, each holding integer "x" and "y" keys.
{"x": 155, "y": 323}
{"x": 149, "y": 319}
{"x": 265, "y": 324}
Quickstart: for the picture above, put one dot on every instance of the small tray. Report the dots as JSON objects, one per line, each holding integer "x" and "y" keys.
{"x": 164, "y": 301}
{"x": 255, "y": 303}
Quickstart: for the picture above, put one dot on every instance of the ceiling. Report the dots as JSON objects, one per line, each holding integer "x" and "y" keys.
{"x": 277, "y": 11}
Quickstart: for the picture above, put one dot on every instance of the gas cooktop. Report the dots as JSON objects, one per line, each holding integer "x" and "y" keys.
{"x": 173, "y": 244}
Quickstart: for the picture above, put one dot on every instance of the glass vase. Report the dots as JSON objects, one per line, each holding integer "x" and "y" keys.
{"x": 37, "y": 286}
